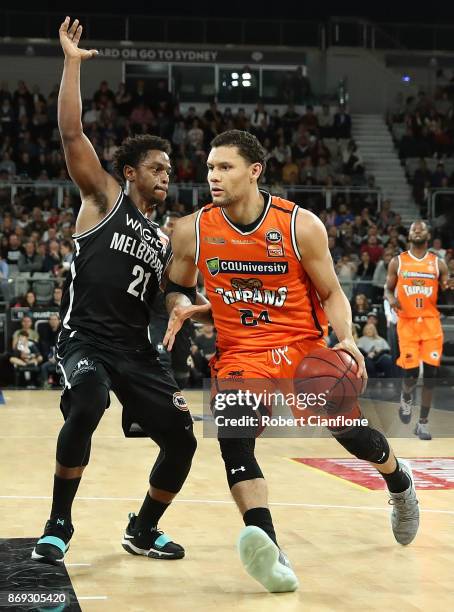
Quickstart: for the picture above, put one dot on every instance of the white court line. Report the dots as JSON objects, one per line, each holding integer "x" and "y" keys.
{"x": 55, "y": 437}
{"x": 91, "y": 597}
{"x": 221, "y": 501}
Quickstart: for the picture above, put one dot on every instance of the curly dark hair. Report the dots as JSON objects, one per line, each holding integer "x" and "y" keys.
{"x": 247, "y": 144}
{"x": 133, "y": 150}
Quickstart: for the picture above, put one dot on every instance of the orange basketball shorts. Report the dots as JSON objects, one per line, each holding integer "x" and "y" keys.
{"x": 419, "y": 340}
{"x": 277, "y": 366}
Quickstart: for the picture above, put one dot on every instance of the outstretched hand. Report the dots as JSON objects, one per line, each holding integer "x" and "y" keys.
{"x": 177, "y": 317}
{"x": 69, "y": 39}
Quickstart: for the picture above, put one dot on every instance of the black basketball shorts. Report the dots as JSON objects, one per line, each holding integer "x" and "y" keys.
{"x": 146, "y": 390}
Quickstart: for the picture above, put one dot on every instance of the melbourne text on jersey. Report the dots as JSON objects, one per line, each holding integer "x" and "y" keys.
{"x": 145, "y": 248}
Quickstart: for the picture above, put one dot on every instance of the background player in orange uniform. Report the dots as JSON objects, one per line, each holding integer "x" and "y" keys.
{"x": 270, "y": 279}
{"x": 412, "y": 290}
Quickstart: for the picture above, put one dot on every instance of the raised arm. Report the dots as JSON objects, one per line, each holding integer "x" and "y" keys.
{"x": 98, "y": 189}
{"x": 182, "y": 301}
{"x": 312, "y": 241}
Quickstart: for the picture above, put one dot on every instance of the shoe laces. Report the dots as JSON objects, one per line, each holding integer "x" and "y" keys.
{"x": 156, "y": 530}
{"x": 406, "y": 407}
{"x": 404, "y": 507}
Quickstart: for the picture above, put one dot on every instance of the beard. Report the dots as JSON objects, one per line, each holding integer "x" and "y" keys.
{"x": 419, "y": 241}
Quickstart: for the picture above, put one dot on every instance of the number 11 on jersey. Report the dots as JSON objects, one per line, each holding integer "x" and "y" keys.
{"x": 134, "y": 286}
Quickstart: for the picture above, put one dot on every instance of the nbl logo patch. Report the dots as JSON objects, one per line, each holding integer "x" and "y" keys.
{"x": 274, "y": 246}
{"x": 179, "y": 401}
{"x": 434, "y": 355}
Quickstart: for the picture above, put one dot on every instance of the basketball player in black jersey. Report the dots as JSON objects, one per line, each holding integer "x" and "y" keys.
{"x": 119, "y": 261}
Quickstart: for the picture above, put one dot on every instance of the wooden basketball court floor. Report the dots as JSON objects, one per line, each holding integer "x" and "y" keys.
{"x": 336, "y": 533}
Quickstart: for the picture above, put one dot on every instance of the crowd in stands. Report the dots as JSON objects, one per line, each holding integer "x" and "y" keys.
{"x": 35, "y": 232}
{"x": 306, "y": 149}
{"x": 423, "y": 129}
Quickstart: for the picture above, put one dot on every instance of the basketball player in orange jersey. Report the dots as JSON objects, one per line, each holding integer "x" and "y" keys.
{"x": 412, "y": 290}
{"x": 265, "y": 261}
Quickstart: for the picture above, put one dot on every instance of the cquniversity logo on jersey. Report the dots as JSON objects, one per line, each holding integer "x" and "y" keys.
{"x": 213, "y": 265}
{"x": 229, "y": 266}
{"x": 409, "y": 274}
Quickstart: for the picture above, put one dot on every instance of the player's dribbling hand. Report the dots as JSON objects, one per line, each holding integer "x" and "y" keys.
{"x": 69, "y": 39}
{"x": 177, "y": 317}
{"x": 349, "y": 345}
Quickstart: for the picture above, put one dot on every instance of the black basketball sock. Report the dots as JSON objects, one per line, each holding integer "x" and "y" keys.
{"x": 261, "y": 517}
{"x": 398, "y": 481}
{"x": 65, "y": 490}
{"x": 150, "y": 512}
{"x": 423, "y": 414}
{"x": 408, "y": 396}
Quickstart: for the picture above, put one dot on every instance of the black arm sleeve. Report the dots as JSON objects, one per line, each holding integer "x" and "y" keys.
{"x": 189, "y": 292}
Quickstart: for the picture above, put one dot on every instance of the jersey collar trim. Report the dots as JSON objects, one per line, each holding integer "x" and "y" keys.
{"x": 418, "y": 258}
{"x": 267, "y": 197}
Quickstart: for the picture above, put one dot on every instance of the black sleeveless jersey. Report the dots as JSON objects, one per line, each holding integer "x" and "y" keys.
{"x": 114, "y": 278}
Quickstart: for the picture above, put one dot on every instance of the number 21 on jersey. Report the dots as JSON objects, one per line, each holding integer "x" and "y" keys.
{"x": 135, "y": 288}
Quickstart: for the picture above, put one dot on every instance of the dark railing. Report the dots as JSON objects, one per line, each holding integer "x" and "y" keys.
{"x": 174, "y": 29}
{"x": 336, "y": 31}
{"x": 194, "y": 195}
{"x": 440, "y": 198}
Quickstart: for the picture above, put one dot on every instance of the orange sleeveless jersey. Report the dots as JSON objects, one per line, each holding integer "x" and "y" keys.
{"x": 417, "y": 286}
{"x": 261, "y": 296}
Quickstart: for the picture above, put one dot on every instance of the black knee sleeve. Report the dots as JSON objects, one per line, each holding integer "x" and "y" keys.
{"x": 430, "y": 375}
{"x": 239, "y": 459}
{"x": 82, "y": 406}
{"x": 366, "y": 443}
{"x": 174, "y": 460}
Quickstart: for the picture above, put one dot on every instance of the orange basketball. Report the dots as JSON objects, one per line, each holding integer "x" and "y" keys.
{"x": 331, "y": 375}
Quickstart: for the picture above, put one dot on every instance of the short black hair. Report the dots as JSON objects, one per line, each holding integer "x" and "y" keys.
{"x": 134, "y": 149}
{"x": 247, "y": 144}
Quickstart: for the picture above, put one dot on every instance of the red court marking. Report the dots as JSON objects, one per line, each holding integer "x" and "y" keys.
{"x": 430, "y": 473}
